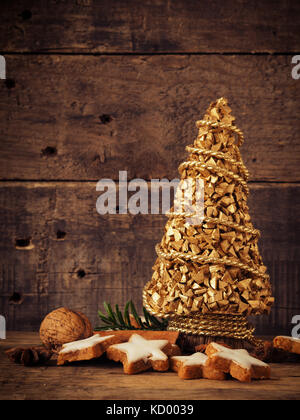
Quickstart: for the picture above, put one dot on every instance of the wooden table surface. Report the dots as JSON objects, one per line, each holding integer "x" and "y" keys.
{"x": 104, "y": 380}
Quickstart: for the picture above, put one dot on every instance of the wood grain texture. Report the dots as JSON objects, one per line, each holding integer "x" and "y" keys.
{"x": 131, "y": 26}
{"x": 102, "y": 379}
{"x": 85, "y": 118}
{"x": 95, "y": 87}
{"x": 109, "y": 257}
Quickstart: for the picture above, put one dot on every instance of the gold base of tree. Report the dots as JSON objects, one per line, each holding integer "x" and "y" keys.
{"x": 209, "y": 277}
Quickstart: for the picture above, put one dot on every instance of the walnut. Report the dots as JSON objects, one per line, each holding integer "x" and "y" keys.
{"x": 64, "y": 326}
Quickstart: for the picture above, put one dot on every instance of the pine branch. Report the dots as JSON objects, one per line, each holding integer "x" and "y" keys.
{"x": 115, "y": 320}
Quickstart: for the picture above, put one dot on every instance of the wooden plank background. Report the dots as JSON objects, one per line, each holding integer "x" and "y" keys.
{"x": 95, "y": 87}
{"x": 151, "y": 104}
{"x": 121, "y": 26}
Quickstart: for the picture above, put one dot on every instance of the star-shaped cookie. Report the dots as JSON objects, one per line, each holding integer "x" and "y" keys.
{"x": 139, "y": 354}
{"x": 238, "y": 363}
{"x": 193, "y": 367}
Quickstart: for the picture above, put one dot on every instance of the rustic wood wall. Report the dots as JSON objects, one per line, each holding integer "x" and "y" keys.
{"x": 98, "y": 86}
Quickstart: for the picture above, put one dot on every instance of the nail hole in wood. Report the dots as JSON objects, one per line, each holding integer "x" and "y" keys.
{"x": 60, "y": 234}
{"x": 105, "y": 119}
{"x": 254, "y": 160}
{"x": 15, "y": 299}
{"x": 26, "y": 14}
{"x": 10, "y": 83}
{"x": 24, "y": 243}
{"x": 49, "y": 151}
{"x": 81, "y": 274}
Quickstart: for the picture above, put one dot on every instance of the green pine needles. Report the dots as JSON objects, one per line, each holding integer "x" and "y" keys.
{"x": 116, "y": 320}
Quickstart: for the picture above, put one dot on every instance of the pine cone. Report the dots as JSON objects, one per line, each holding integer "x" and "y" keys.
{"x": 29, "y": 356}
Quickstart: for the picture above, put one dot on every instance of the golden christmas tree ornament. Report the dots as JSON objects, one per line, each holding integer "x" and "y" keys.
{"x": 209, "y": 276}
